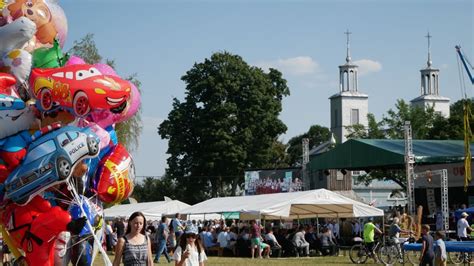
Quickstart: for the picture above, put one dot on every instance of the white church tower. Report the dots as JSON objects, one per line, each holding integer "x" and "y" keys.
{"x": 430, "y": 88}
{"x": 349, "y": 106}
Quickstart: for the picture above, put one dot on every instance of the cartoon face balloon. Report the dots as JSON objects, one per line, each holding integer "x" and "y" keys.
{"x": 116, "y": 175}
{"x": 47, "y": 15}
{"x": 15, "y": 115}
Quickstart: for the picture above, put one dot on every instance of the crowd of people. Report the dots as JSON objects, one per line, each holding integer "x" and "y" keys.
{"x": 231, "y": 237}
{"x": 181, "y": 241}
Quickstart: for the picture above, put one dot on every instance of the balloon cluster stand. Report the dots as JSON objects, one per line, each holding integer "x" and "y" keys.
{"x": 97, "y": 242}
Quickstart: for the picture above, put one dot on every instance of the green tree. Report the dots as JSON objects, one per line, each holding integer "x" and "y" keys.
{"x": 228, "y": 122}
{"x": 374, "y": 131}
{"x": 421, "y": 119}
{"x": 128, "y": 131}
{"x": 453, "y": 127}
{"x": 154, "y": 189}
{"x": 316, "y": 134}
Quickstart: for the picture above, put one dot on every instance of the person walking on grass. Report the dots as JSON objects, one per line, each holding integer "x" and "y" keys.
{"x": 161, "y": 236}
{"x": 134, "y": 248}
{"x": 190, "y": 251}
{"x": 427, "y": 253}
{"x": 440, "y": 252}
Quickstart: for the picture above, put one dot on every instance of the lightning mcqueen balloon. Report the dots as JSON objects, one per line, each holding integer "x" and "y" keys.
{"x": 116, "y": 175}
{"x": 79, "y": 88}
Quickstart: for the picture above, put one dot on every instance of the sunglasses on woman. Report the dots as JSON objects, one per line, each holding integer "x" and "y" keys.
{"x": 191, "y": 235}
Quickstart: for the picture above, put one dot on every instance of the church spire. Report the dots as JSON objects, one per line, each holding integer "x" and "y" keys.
{"x": 348, "y": 56}
{"x": 348, "y": 77}
{"x": 429, "y": 75}
{"x": 429, "y": 62}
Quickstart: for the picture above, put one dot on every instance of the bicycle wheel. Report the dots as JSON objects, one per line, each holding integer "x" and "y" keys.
{"x": 387, "y": 254}
{"x": 413, "y": 257}
{"x": 358, "y": 254}
{"x": 455, "y": 257}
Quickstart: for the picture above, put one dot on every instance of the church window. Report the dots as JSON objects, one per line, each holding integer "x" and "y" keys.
{"x": 354, "y": 116}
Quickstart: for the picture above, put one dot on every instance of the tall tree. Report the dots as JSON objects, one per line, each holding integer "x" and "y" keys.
{"x": 228, "y": 122}
{"x": 128, "y": 131}
{"x": 316, "y": 134}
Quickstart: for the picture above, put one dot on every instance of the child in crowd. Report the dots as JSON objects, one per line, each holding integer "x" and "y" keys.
{"x": 440, "y": 253}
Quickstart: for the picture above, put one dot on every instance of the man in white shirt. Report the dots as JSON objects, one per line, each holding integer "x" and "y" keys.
{"x": 463, "y": 227}
{"x": 300, "y": 242}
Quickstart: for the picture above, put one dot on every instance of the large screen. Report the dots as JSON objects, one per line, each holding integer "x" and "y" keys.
{"x": 269, "y": 181}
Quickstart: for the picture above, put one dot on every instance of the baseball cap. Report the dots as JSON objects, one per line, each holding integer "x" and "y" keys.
{"x": 190, "y": 228}
{"x": 464, "y": 214}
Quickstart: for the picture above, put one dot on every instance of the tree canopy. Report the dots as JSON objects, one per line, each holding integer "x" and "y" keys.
{"x": 227, "y": 122}
{"x": 316, "y": 134}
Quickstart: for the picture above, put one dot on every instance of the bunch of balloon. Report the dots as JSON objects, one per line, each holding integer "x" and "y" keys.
{"x": 60, "y": 160}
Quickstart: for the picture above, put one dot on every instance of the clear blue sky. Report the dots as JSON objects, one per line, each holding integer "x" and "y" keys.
{"x": 161, "y": 40}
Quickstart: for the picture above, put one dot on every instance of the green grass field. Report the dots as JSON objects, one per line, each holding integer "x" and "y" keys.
{"x": 212, "y": 260}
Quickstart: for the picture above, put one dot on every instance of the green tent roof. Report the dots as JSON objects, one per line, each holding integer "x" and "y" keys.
{"x": 382, "y": 153}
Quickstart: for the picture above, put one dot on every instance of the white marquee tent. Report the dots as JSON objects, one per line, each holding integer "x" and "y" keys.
{"x": 154, "y": 210}
{"x": 295, "y": 205}
{"x": 151, "y": 210}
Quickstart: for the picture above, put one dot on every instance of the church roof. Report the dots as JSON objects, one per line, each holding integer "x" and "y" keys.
{"x": 431, "y": 97}
{"x": 354, "y": 94}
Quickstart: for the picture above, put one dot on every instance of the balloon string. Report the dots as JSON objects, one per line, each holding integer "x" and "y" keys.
{"x": 97, "y": 242}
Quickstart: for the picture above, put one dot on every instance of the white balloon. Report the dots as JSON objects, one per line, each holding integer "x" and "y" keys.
{"x": 16, "y": 34}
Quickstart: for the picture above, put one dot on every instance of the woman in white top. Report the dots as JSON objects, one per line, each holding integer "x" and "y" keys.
{"x": 190, "y": 251}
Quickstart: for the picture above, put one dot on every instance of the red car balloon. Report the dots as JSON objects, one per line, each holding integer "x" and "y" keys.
{"x": 116, "y": 175}
{"x": 79, "y": 88}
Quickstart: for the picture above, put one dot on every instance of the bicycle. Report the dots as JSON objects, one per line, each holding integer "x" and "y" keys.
{"x": 392, "y": 252}
{"x": 461, "y": 257}
{"x": 359, "y": 252}
{"x": 457, "y": 258}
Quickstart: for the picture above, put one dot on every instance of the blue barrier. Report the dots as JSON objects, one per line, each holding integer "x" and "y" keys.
{"x": 451, "y": 246}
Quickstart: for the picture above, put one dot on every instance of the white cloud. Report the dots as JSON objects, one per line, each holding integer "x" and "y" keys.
{"x": 297, "y": 66}
{"x": 367, "y": 66}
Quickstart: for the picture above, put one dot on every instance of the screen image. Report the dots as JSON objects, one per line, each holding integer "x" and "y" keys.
{"x": 273, "y": 181}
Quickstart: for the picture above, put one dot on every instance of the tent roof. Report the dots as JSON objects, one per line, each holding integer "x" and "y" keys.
{"x": 304, "y": 204}
{"x": 383, "y": 153}
{"x": 151, "y": 210}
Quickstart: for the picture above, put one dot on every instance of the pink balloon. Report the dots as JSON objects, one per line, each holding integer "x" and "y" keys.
{"x": 105, "y": 118}
{"x": 75, "y": 60}
{"x": 105, "y": 69}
